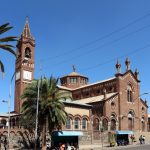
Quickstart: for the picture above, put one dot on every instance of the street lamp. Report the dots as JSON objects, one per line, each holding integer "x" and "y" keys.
{"x": 37, "y": 109}
{"x": 142, "y": 94}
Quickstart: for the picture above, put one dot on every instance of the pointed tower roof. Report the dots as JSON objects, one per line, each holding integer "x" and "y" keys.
{"x": 118, "y": 67}
{"x": 26, "y": 30}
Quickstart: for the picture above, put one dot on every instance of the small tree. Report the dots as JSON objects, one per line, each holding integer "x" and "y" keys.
{"x": 51, "y": 109}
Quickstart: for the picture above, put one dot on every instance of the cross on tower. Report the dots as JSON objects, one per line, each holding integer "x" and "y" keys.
{"x": 74, "y": 68}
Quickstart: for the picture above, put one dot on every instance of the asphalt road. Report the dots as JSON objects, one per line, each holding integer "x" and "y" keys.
{"x": 137, "y": 147}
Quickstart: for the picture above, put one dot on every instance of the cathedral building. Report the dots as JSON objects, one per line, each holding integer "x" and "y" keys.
{"x": 108, "y": 105}
{"x": 116, "y": 102}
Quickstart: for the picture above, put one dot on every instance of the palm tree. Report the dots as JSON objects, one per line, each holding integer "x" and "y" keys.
{"x": 51, "y": 109}
{"x": 3, "y": 43}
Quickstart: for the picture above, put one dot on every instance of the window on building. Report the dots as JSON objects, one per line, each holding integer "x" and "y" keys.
{"x": 68, "y": 123}
{"x": 113, "y": 115}
{"x": 113, "y": 105}
{"x": 84, "y": 123}
{"x": 3, "y": 122}
{"x": 17, "y": 121}
{"x": 86, "y": 81}
{"x": 76, "y": 123}
{"x": 96, "y": 124}
{"x": 73, "y": 80}
{"x": 129, "y": 94}
{"x": 130, "y": 120}
{"x": 27, "y": 52}
{"x": 105, "y": 124}
{"x": 82, "y": 81}
{"x": 63, "y": 81}
{"x": 13, "y": 122}
{"x": 113, "y": 124}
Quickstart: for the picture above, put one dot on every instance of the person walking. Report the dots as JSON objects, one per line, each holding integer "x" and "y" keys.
{"x": 62, "y": 146}
{"x": 141, "y": 139}
{"x": 5, "y": 143}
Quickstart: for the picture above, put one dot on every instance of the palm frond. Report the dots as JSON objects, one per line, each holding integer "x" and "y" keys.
{"x": 4, "y": 28}
{"x": 8, "y": 48}
{"x": 8, "y": 39}
{"x": 2, "y": 68}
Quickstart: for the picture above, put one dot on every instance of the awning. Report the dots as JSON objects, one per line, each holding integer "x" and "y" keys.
{"x": 67, "y": 133}
{"x": 124, "y": 132}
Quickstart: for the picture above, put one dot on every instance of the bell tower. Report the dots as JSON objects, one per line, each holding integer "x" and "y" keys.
{"x": 24, "y": 64}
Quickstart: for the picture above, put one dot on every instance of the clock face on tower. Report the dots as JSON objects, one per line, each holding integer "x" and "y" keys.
{"x": 18, "y": 75}
{"x": 27, "y": 75}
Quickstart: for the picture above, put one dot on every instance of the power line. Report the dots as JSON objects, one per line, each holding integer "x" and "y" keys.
{"x": 101, "y": 38}
{"x": 103, "y": 45}
{"x": 115, "y": 58}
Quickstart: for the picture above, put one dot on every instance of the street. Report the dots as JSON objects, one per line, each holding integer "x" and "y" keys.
{"x": 137, "y": 147}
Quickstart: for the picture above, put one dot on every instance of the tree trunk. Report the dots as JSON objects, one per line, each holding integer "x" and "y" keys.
{"x": 44, "y": 136}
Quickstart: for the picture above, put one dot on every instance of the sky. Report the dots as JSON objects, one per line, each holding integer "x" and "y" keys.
{"x": 90, "y": 34}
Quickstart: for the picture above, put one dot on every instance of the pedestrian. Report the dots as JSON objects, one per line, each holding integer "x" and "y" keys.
{"x": 5, "y": 143}
{"x": 132, "y": 138}
{"x": 62, "y": 146}
{"x": 76, "y": 146}
{"x": 141, "y": 139}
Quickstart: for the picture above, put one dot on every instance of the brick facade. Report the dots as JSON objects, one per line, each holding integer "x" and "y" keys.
{"x": 117, "y": 103}
{"x": 96, "y": 108}
{"x": 24, "y": 64}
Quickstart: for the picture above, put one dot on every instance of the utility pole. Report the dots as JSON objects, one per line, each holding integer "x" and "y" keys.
{"x": 9, "y": 108}
{"x": 37, "y": 110}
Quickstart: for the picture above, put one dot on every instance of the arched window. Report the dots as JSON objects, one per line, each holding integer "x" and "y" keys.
{"x": 68, "y": 123}
{"x": 113, "y": 105}
{"x": 131, "y": 120}
{"x": 113, "y": 115}
{"x": 3, "y": 121}
{"x": 96, "y": 124}
{"x": 84, "y": 123}
{"x": 27, "y": 52}
{"x": 129, "y": 94}
{"x": 13, "y": 122}
{"x": 113, "y": 124}
{"x": 105, "y": 124}
{"x": 17, "y": 121}
{"x": 76, "y": 123}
